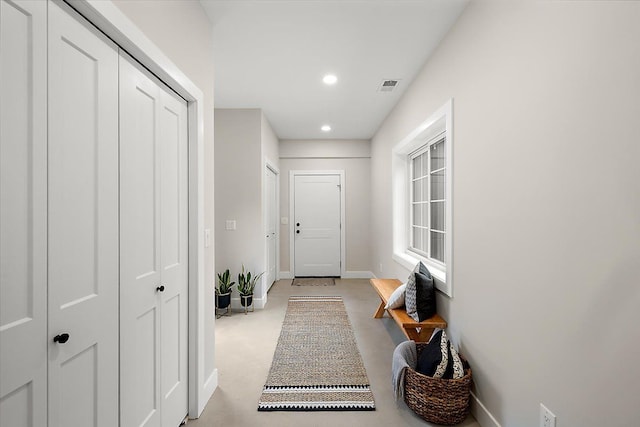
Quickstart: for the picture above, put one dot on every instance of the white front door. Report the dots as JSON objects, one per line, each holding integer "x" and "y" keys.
{"x": 153, "y": 251}
{"x": 271, "y": 221}
{"x": 23, "y": 214}
{"x": 317, "y": 225}
{"x": 83, "y": 224}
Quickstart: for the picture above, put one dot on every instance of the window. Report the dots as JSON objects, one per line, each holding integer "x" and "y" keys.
{"x": 422, "y": 196}
{"x": 428, "y": 200}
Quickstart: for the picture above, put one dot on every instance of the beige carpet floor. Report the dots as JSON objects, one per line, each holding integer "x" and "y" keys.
{"x": 244, "y": 349}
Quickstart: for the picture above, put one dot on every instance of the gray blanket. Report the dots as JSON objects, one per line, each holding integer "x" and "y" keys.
{"x": 404, "y": 356}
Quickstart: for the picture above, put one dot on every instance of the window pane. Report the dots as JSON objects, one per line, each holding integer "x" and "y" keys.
{"x": 417, "y": 168}
{"x": 437, "y": 216}
{"x": 425, "y": 189}
{"x": 437, "y": 246}
{"x": 418, "y": 215}
{"x": 425, "y": 240}
{"x": 425, "y": 215}
{"x": 425, "y": 163}
{"x": 417, "y": 238}
{"x": 417, "y": 190}
{"x": 437, "y": 186}
{"x": 437, "y": 155}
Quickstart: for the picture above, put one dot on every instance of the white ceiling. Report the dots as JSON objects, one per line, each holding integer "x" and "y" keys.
{"x": 273, "y": 54}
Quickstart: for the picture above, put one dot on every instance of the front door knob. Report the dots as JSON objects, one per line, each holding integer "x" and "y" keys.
{"x": 61, "y": 339}
{"x": 160, "y": 288}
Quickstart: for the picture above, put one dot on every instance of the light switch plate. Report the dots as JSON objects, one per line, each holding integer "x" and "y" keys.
{"x": 230, "y": 224}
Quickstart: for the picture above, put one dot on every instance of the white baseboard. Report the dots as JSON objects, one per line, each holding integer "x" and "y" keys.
{"x": 285, "y": 275}
{"x": 260, "y": 302}
{"x": 482, "y": 414}
{"x": 358, "y": 275}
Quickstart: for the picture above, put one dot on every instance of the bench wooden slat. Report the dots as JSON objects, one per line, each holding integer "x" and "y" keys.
{"x": 384, "y": 288}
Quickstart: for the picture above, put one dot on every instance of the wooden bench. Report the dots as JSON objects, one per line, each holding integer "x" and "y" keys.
{"x": 385, "y": 288}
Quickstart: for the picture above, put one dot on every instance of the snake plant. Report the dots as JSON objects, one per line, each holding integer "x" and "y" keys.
{"x": 247, "y": 283}
{"x": 224, "y": 283}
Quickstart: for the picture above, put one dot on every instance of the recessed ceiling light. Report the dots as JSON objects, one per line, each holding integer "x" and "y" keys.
{"x": 330, "y": 79}
{"x": 325, "y": 128}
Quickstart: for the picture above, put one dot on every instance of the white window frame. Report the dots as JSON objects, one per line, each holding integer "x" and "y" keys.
{"x": 428, "y": 202}
{"x": 431, "y": 130}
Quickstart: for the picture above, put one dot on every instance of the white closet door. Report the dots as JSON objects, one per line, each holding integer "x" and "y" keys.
{"x": 174, "y": 254}
{"x": 271, "y": 202}
{"x": 23, "y": 214}
{"x": 83, "y": 223}
{"x": 154, "y": 257}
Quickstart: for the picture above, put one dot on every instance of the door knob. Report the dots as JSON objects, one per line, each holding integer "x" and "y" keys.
{"x": 298, "y": 224}
{"x": 160, "y": 288}
{"x": 297, "y": 231}
{"x": 61, "y": 339}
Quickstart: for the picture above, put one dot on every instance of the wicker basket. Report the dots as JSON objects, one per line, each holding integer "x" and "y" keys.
{"x": 437, "y": 400}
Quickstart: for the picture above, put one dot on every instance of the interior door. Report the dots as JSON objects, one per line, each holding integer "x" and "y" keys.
{"x": 83, "y": 223}
{"x": 271, "y": 222}
{"x": 154, "y": 254}
{"x": 23, "y": 213}
{"x": 317, "y": 225}
{"x": 174, "y": 192}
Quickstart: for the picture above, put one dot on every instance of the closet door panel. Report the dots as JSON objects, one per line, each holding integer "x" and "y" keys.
{"x": 23, "y": 215}
{"x": 140, "y": 274}
{"x": 153, "y": 212}
{"x": 83, "y": 223}
{"x": 174, "y": 231}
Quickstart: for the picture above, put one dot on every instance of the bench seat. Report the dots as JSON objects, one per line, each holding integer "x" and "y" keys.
{"x": 417, "y": 331}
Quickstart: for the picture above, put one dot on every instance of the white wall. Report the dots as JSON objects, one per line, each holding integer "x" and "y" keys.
{"x": 238, "y": 190}
{"x": 352, "y": 156}
{"x": 546, "y": 204}
{"x": 244, "y": 139}
{"x": 184, "y": 34}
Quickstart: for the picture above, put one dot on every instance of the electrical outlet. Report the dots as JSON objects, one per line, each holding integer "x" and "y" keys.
{"x": 547, "y": 418}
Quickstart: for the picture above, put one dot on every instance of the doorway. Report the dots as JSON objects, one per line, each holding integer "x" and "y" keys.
{"x": 317, "y": 215}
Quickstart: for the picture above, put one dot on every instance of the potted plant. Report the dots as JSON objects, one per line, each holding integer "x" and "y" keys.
{"x": 246, "y": 286}
{"x": 223, "y": 290}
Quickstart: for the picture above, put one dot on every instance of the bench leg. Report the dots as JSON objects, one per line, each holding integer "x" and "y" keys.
{"x": 412, "y": 334}
{"x": 425, "y": 334}
{"x": 379, "y": 311}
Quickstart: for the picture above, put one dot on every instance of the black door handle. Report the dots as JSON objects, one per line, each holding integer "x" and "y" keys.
{"x": 298, "y": 224}
{"x": 160, "y": 288}
{"x": 297, "y": 231}
{"x": 61, "y": 339}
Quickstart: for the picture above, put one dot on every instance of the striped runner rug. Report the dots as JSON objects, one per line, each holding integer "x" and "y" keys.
{"x": 316, "y": 365}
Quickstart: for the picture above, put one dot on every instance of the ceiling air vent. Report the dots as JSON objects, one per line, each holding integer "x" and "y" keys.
{"x": 388, "y": 85}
